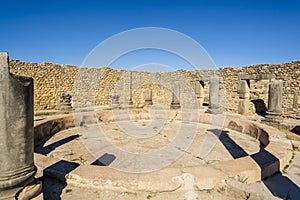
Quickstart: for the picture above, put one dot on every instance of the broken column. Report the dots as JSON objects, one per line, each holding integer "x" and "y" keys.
{"x": 244, "y": 95}
{"x": 199, "y": 91}
{"x": 148, "y": 99}
{"x": 65, "y": 102}
{"x": 17, "y": 169}
{"x": 214, "y": 95}
{"x": 175, "y": 104}
{"x": 274, "y": 102}
{"x": 115, "y": 100}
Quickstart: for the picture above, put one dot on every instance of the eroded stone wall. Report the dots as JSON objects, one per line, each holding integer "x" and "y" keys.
{"x": 289, "y": 73}
{"x": 90, "y": 86}
{"x": 50, "y": 80}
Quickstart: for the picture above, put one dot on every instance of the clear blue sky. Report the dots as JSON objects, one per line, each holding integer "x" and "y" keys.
{"x": 234, "y": 33}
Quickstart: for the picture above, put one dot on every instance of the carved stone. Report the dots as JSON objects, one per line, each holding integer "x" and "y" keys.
{"x": 17, "y": 169}
{"x": 244, "y": 95}
{"x": 243, "y": 90}
{"x": 148, "y": 99}
{"x": 130, "y": 102}
{"x": 115, "y": 100}
{"x": 214, "y": 95}
{"x": 274, "y": 101}
{"x": 199, "y": 91}
{"x": 175, "y": 104}
{"x": 65, "y": 102}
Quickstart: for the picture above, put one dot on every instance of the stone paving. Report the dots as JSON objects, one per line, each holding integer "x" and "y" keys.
{"x": 83, "y": 145}
{"x": 70, "y": 145}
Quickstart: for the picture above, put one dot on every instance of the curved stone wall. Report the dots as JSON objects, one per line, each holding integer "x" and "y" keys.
{"x": 274, "y": 155}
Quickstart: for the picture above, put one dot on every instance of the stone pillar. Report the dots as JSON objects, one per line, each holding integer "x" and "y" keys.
{"x": 199, "y": 91}
{"x": 175, "y": 104}
{"x": 148, "y": 99}
{"x": 244, "y": 95}
{"x": 65, "y": 102}
{"x": 130, "y": 102}
{"x": 295, "y": 100}
{"x": 274, "y": 101}
{"x": 115, "y": 100}
{"x": 17, "y": 168}
{"x": 214, "y": 95}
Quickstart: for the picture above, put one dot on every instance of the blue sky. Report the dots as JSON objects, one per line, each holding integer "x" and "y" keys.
{"x": 234, "y": 33}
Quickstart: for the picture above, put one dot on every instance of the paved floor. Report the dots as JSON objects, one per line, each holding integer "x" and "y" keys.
{"x": 72, "y": 145}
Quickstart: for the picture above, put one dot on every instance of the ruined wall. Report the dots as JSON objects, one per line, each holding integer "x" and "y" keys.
{"x": 289, "y": 73}
{"x": 162, "y": 85}
{"x": 50, "y": 80}
{"x": 90, "y": 86}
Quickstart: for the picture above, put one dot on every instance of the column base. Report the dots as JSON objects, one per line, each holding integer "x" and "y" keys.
{"x": 272, "y": 118}
{"x": 66, "y": 107}
{"x": 115, "y": 106}
{"x": 148, "y": 102}
{"x": 27, "y": 192}
{"x": 30, "y": 191}
{"x": 130, "y": 102}
{"x": 175, "y": 106}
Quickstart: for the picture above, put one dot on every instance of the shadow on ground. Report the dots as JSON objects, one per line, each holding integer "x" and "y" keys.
{"x": 54, "y": 180}
{"x": 104, "y": 160}
{"x": 44, "y": 150}
{"x": 232, "y": 147}
{"x": 282, "y": 187}
{"x": 296, "y": 130}
{"x": 279, "y": 185}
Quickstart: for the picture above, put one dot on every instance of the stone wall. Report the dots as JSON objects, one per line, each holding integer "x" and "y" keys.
{"x": 50, "y": 80}
{"x": 289, "y": 73}
{"x": 162, "y": 85}
{"x": 90, "y": 86}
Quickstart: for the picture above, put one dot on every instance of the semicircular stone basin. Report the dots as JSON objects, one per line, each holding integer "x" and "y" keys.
{"x": 157, "y": 150}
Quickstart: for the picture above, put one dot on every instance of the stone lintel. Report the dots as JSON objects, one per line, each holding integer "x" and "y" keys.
{"x": 257, "y": 76}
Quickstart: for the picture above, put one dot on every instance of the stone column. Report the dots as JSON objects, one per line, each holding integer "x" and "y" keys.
{"x": 214, "y": 95}
{"x": 130, "y": 102}
{"x": 244, "y": 95}
{"x": 274, "y": 101}
{"x": 175, "y": 104}
{"x": 148, "y": 99}
{"x": 17, "y": 168}
{"x": 295, "y": 100}
{"x": 115, "y": 100}
{"x": 199, "y": 91}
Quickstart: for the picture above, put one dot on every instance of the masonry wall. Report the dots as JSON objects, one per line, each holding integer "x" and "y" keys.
{"x": 289, "y": 73}
{"x": 50, "y": 80}
{"x": 90, "y": 86}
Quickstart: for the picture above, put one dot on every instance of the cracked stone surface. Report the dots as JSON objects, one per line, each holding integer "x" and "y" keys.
{"x": 84, "y": 145}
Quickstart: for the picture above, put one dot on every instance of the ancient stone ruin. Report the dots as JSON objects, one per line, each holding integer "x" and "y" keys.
{"x": 148, "y": 99}
{"x": 142, "y": 134}
{"x": 65, "y": 103}
{"x": 17, "y": 169}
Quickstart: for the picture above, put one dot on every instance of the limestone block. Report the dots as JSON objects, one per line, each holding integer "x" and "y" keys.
{"x": 148, "y": 99}
{"x": 243, "y": 89}
{"x": 243, "y": 106}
